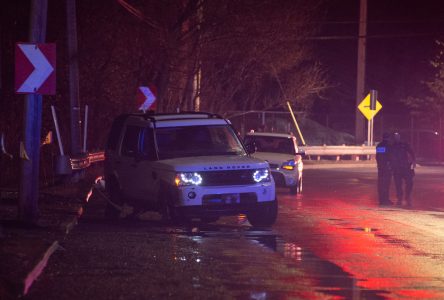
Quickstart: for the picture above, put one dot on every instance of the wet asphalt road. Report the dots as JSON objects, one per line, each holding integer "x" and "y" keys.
{"x": 332, "y": 242}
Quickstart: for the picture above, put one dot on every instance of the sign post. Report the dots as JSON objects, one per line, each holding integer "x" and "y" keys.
{"x": 369, "y": 107}
{"x": 36, "y": 71}
{"x": 373, "y": 99}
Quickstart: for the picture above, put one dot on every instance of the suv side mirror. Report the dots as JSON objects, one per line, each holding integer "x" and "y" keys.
{"x": 250, "y": 147}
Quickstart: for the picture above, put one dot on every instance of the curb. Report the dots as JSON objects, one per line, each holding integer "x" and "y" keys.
{"x": 38, "y": 269}
{"x": 32, "y": 276}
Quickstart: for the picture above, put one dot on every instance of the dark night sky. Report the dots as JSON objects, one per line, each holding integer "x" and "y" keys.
{"x": 401, "y": 43}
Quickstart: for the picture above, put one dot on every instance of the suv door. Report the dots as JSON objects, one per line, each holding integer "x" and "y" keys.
{"x": 136, "y": 172}
{"x": 127, "y": 162}
{"x": 144, "y": 175}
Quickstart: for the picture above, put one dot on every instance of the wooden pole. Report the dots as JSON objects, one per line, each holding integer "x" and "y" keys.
{"x": 360, "y": 79}
{"x": 32, "y": 123}
{"x": 73, "y": 61}
{"x": 85, "y": 129}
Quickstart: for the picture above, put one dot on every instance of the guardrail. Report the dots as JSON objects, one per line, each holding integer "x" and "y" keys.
{"x": 78, "y": 163}
{"x": 83, "y": 162}
{"x": 338, "y": 151}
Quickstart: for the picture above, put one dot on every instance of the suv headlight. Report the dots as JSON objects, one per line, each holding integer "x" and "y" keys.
{"x": 261, "y": 175}
{"x": 188, "y": 178}
{"x": 289, "y": 165}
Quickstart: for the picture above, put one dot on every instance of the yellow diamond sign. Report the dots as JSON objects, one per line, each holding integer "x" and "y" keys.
{"x": 364, "y": 107}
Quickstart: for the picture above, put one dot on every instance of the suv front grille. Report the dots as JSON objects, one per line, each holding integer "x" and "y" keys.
{"x": 233, "y": 177}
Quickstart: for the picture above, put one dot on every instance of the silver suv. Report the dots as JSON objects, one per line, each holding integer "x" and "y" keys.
{"x": 282, "y": 153}
{"x": 185, "y": 165}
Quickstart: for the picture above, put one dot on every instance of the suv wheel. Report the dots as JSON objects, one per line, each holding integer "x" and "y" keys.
{"x": 264, "y": 216}
{"x": 115, "y": 196}
{"x": 169, "y": 212}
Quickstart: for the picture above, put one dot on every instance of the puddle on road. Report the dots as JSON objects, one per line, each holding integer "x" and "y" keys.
{"x": 329, "y": 279}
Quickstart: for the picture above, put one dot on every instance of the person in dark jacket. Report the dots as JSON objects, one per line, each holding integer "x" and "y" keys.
{"x": 403, "y": 163}
{"x": 384, "y": 169}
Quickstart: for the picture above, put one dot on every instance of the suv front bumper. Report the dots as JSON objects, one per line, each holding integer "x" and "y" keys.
{"x": 220, "y": 196}
{"x": 217, "y": 210}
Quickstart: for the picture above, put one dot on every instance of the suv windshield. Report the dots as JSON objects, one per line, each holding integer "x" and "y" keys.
{"x": 204, "y": 140}
{"x": 272, "y": 144}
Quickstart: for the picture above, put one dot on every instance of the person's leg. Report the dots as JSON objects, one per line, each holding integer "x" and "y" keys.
{"x": 408, "y": 178}
{"x": 388, "y": 180}
{"x": 381, "y": 188}
{"x": 397, "y": 177}
{"x": 385, "y": 179}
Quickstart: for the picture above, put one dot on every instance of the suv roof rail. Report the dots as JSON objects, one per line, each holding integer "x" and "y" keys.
{"x": 176, "y": 116}
{"x": 208, "y": 114}
{"x": 151, "y": 115}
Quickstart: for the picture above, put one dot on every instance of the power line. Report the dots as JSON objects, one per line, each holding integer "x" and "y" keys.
{"x": 375, "y": 36}
{"x": 380, "y": 22}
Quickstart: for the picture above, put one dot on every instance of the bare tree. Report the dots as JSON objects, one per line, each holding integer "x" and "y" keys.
{"x": 258, "y": 57}
{"x": 253, "y": 54}
{"x": 430, "y": 105}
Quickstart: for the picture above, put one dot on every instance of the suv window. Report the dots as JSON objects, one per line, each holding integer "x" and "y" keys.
{"x": 114, "y": 135}
{"x": 272, "y": 144}
{"x": 148, "y": 149}
{"x": 197, "y": 141}
{"x": 130, "y": 144}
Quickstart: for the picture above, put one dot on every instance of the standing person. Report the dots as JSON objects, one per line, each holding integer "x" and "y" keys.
{"x": 403, "y": 162}
{"x": 384, "y": 169}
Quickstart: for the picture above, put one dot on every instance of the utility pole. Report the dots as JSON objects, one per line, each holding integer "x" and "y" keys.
{"x": 360, "y": 78}
{"x": 1, "y": 80}
{"x": 73, "y": 61}
{"x": 32, "y": 123}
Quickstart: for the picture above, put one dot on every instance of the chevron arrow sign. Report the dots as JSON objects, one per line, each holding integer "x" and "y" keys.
{"x": 35, "y": 69}
{"x": 146, "y": 98}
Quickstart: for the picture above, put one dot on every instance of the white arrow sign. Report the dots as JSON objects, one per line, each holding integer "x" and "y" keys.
{"x": 147, "y": 98}
{"x": 42, "y": 68}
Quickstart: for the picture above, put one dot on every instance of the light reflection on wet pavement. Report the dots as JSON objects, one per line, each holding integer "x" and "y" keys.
{"x": 317, "y": 278}
{"x": 391, "y": 249}
{"x": 332, "y": 242}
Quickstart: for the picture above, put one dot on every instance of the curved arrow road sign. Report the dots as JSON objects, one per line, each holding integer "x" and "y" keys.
{"x": 35, "y": 68}
{"x": 146, "y": 98}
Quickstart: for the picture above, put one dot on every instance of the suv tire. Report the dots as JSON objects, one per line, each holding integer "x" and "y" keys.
{"x": 168, "y": 211}
{"x": 115, "y": 196}
{"x": 264, "y": 216}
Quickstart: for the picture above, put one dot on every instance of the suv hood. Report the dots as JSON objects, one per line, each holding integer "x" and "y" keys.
{"x": 273, "y": 158}
{"x": 211, "y": 163}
